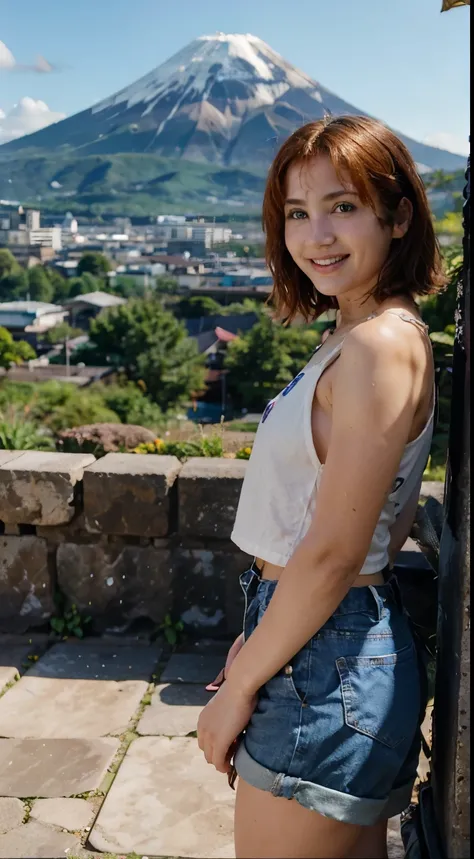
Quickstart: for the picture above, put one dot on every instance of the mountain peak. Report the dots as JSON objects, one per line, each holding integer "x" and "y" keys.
{"x": 225, "y": 98}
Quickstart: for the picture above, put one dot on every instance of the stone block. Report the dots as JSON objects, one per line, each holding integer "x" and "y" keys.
{"x": 12, "y": 812}
{"x": 174, "y": 710}
{"x": 35, "y": 841}
{"x": 9, "y": 455}
{"x": 207, "y": 595}
{"x": 192, "y": 668}
{"x": 130, "y": 495}
{"x": 25, "y": 589}
{"x": 42, "y": 707}
{"x": 166, "y": 801}
{"x": 209, "y": 491}
{"x": 116, "y": 584}
{"x": 54, "y": 767}
{"x": 67, "y": 813}
{"x": 40, "y": 488}
{"x": 75, "y": 531}
{"x": 6, "y": 676}
{"x": 94, "y": 658}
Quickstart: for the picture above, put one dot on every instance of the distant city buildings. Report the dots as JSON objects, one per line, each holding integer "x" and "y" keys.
{"x": 23, "y": 227}
{"x": 188, "y": 248}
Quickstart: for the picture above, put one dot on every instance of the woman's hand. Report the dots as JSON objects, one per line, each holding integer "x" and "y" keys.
{"x": 221, "y": 722}
{"x": 237, "y": 645}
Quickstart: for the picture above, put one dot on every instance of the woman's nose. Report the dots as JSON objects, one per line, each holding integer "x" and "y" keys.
{"x": 320, "y": 232}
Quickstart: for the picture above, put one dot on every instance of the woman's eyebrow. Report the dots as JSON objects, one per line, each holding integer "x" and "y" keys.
{"x": 341, "y": 192}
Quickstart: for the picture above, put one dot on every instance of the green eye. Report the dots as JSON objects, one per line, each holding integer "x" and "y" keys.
{"x": 296, "y": 215}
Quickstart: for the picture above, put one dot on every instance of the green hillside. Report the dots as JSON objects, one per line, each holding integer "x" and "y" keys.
{"x": 128, "y": 184}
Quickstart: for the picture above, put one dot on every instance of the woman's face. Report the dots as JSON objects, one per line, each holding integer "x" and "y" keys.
{"x": 338, "y": 242}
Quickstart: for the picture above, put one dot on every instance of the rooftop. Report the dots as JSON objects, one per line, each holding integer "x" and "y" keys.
{"x": 98, "y": 299}
{"x": 37, "y": 307}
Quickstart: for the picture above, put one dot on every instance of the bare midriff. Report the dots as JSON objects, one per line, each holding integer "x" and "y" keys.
{"x": 273, "y": 572}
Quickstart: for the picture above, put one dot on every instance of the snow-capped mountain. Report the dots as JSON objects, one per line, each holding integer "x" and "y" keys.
{"x": 224, "y": 99}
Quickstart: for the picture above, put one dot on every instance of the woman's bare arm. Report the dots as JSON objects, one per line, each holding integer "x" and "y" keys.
{"x": 373, "y": 409}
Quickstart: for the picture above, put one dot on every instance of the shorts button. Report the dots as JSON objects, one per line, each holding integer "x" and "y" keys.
{"x": 288, "y": 669}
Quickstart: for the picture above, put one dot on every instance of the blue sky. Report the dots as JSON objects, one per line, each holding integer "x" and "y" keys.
{"x": 400, "y": 60}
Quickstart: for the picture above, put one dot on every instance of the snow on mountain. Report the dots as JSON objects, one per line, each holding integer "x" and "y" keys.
{"x": 224, "y": 99}
{"x": 211, "y": 60}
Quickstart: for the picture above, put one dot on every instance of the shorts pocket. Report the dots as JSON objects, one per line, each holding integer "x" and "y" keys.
{"x": 381, "y": 695}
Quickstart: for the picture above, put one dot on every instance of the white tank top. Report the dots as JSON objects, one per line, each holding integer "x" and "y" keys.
{"x": 280, "y": 488}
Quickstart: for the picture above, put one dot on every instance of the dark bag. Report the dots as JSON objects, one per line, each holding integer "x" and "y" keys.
{"x": 419, "y": 829}
{"x": 419, "y": 588}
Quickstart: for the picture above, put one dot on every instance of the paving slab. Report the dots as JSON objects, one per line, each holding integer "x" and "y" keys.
{"x": 41, "y": 707}
{"x": 192, "y": 668}
{"x": 167, "y": 801}
{"x": 98, "y": 660}
{"x": 6, "y": 676}
{"x": 35, "y": 841}
{"x": 54, "y": 768}
{"x": 174, "y": 710}
{"x": 12, "y": 812}
{"x": 67, "y": 813}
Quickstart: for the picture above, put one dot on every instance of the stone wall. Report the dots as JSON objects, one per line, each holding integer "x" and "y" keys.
{"x": 124, "y": 538}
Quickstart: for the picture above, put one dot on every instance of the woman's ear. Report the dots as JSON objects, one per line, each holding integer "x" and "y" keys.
{"x": 402, "y": 219}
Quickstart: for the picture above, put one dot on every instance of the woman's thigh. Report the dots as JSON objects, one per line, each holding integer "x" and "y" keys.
{"x": 269, "y": 827}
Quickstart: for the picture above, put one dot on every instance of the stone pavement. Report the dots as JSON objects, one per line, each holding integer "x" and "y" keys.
{"x": 98, "y": 754}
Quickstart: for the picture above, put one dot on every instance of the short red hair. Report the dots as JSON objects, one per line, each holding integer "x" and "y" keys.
{"x": 381, "y": 168}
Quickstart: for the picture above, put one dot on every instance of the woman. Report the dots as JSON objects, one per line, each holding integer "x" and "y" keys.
{"x": 325, "y": 691}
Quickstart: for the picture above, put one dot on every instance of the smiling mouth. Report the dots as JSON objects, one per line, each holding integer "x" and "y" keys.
{"x": 328, "y": 264}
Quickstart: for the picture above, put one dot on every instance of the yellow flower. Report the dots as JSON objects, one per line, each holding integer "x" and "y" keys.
{"x": 158, "y": 442}
{"x": 150, "y": 447}
{"x": 248, "y": 450}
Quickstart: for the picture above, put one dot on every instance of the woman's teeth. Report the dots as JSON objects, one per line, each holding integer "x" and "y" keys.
{"x": 327, "y": 261}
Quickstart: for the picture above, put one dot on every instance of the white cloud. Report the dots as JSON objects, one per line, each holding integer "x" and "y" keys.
{"x": 450, "y": 142}
{"x": 7, "y": 60}
{"x": 25, "y": 117}
{"x": 8, "y": 63}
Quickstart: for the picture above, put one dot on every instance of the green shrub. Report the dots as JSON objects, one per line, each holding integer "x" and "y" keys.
{"x": 16, "y": 433}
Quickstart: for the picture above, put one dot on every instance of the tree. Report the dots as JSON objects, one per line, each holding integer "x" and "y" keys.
{"x": 40, "y": 287}
{"x": 131, "y": 405}
{"x": 59, "y": 333}
{"x": 8, "y": 263}
{"x": 152, "y": 346}
{"x": 166, "y": 285}
{"x": 14, "y": 286}
{"x": 61, "y": 285}
{"x": 13, "y": 352}
{"x": 259, "y": 365}
{"x": 197, "y": 306}
{"x": 94, "y": 263}
{"x": 265, "y": 359}
{"x": 84, "y": 284}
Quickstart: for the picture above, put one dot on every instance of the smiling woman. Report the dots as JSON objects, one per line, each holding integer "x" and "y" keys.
{"x": 320, "y": 711}
{"x": 365, "y": 169}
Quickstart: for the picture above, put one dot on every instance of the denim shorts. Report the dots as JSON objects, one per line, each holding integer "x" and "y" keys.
{"x": 338, "y": 728}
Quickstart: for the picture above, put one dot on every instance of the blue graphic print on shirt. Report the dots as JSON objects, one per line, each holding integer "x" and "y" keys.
{"x": 292, "y": 384}
{"x": 284, "y": 393}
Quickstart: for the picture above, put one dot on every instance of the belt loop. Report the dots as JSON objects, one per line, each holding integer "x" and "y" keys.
{"x": 379, "y": 602}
